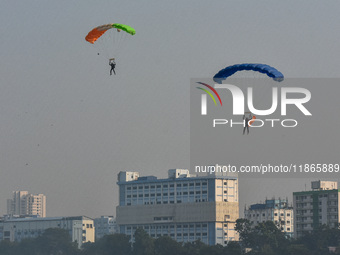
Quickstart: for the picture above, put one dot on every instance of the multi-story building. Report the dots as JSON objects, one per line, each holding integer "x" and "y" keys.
{"x": 17, "y": 205}
{"x": 275, "y": 210}
{"x": 105, "y": 225}
{"x": 1, "y": 229}
{"x": 80, "y": 228}
{"x": 25, "y": 204}
{"x": 182, "y": 206}
{"x": 320, "y": 206}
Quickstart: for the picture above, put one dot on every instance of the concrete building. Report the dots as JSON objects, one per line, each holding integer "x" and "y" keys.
{"x": 25, "y": 204}
{"x": 183, "y": 206}
{"x": 1, "y": 229}
{"x": 275, "y": 210}
{"x": 105, "y": 225}
{"x": 80, "y": 228}
{"x": 320, "y": 206}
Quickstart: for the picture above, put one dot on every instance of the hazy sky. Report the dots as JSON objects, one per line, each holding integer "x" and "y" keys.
{"x": 67, "y": 127}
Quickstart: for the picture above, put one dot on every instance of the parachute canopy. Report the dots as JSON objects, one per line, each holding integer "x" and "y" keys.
{"x": 265, "y": 69}
{"x": 97, "y": 32}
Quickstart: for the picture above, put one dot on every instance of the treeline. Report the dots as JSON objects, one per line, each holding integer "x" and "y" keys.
{"x": 264, "y": 239}
{"x": 267, "y": 239}
{"x": 52, "y": 241}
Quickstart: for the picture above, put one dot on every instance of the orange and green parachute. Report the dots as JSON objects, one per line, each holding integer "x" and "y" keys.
{"x": 97, "y": 32}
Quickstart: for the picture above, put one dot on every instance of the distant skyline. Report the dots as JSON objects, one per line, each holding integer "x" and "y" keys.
{"x": 68, "y": 127}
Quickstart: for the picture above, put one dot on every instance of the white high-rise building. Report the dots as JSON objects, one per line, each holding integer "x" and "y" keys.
{"x": 183, "y": 206}
{"x": 25, "y": 204}
{"x": 17, "y": 205}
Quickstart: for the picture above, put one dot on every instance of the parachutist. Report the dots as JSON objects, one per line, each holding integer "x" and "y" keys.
{"x": 112, "y": 63}
{"x": 247, "y": 119}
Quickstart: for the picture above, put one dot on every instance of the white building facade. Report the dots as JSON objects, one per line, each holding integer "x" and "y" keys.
{"x": 80, "y": 228}
{"x": 25, "y": 204}
{"x": 184, "y": 207}
{"x": 105, "y": 225}
{"x": 275, "y": 210}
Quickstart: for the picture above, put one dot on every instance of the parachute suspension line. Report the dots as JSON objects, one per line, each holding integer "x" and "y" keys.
{"x": 120, "y": 42}
{"x": 117, "y": 41}
{"x": 123, "y": 40}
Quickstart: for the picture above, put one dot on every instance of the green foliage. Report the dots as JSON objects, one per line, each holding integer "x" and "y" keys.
{"x": 267, "y": 239}
{"x": 167, "y": 246}
{"x": 8, "y": 248}
{"x": 264, "y": 239}
{"x": 53, "y": 241}
{"x": 233, "y": 248}
{"x": 194, "y": 248}
{"x": 297, "y": 249}
{"x": 246, "y": 233}
{"x": 117, "y": 244}
{"x": 144, "y": 244}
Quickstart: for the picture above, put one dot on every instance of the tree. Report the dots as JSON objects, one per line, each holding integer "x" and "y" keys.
{"x": 212, "y": 250}
{"x": 144, "y": 244}
{"x": 194, "y": 248}
{"x": 8, "y": 248}
{"x": 297, "y": 249}
{"x": 165, "y": 245}
{"x": 269, "y": 238}
{"x": 233, "y": 248}
{"x": 56, "y": 241}
{"x": 244, "y": 228}
{"x": 118, "y": 244}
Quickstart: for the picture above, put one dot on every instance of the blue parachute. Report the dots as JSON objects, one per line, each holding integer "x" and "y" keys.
{"x": 265, "y": 69}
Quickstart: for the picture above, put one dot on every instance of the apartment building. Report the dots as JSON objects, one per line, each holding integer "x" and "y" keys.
{"x": 105, "y": 225}
{"x": 183, "y": 206}
{"x": 319, "y": 206}
{"x": 275, "y": 210}
{"x": 25, "y": 204}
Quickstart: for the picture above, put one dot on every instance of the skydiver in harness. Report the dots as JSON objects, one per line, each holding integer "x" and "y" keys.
{"x": 247, "y": 118}
{"x": 112, "y": 63}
